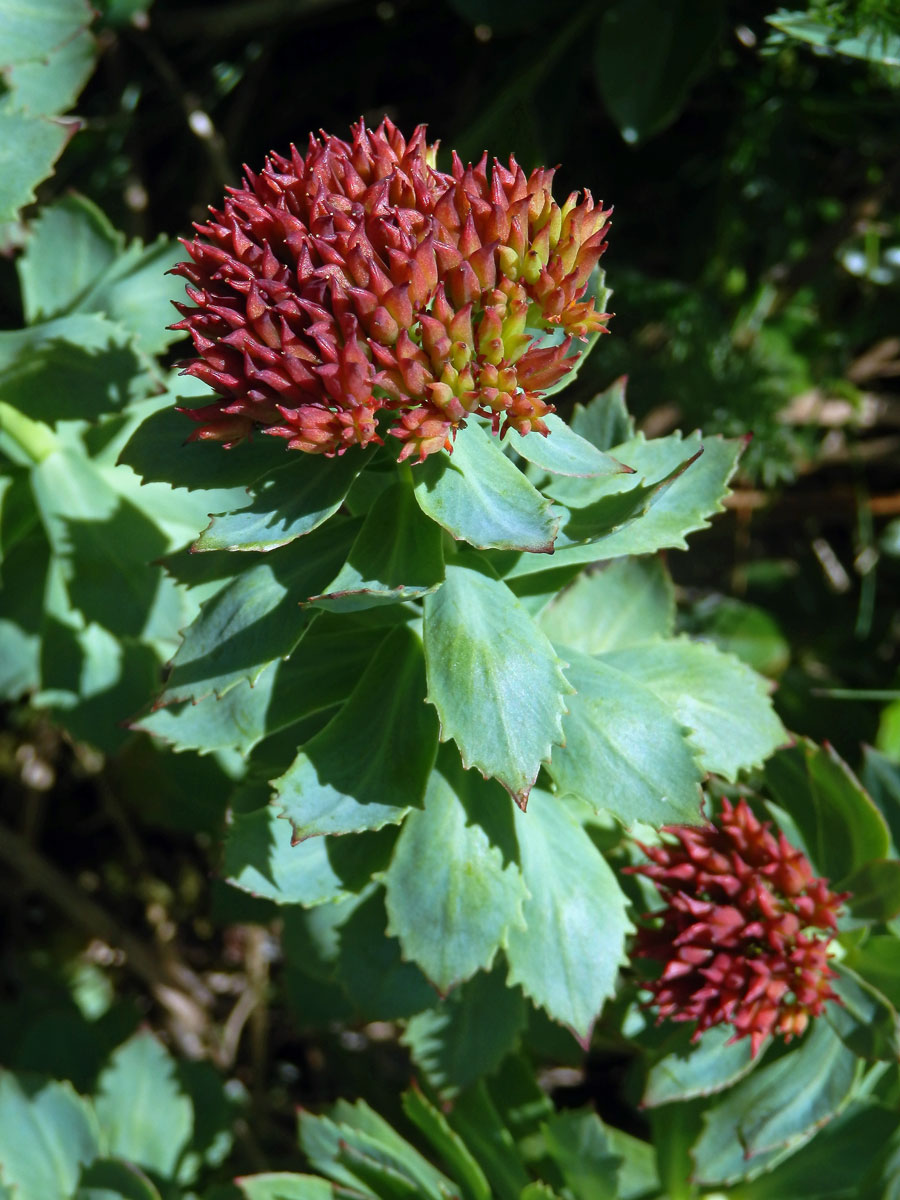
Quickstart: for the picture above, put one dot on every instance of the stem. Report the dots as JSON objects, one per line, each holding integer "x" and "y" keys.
{"x": 32, "y": 437}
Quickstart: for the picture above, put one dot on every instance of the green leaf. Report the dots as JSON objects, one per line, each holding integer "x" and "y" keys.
{"x": 605, "y": 420}
{"x": 397, "y": 556}
{"x": 742, "y": 629}
{"x": 841, "y": 828}
{"x": 881, "y": 777}
{"x": 371, "y": 762}
{"x": 877, "y": 960}
{"x": 626, "y": 602}
{"x": 261, "y": 857}
{"x": 289, "y": 503}
{"x": 875, "y": 890}
{"x": 624, "y": 750}
{"x": 599, "y": 507}
{"x": 686, "y": 505}
{"x": 450, "y": 1147}
{"x": 722, "y": 702}
{"x": 468, "y": 1034}
{"x": 690, "y": 490}
{"x": 867, "y": 42}
{"x": 698, "y": 1068}
{"x": 638, "y": 1174}
{"x": 355, "y": 1139}
{"x": 77, "y": 367}
{"x": 281, "y": 1185}
{"x": 69, "y": 246}
{"x": 562, "y": 452}
{"x": 578, "y": 1144}
{"x": 112, "y": 1179}
{"x": 835, "y": 1165}
{"x": 493, "y": 677}
{"x": 647, "y": 57}
{"x": 865, "y": 1020}
{"x": 255, "y": 619}
{"x": 382, "y": 985}
{"x": 32, "y": 31}
{"x": 137, "y": 291}
{"x": 105, "y": 545}
{"x": 158, "y": 453}
{"x": 779, "y": 1106}
{"x": 691, "y": 476}
{"x": 321, "y": 673}
{"x": 51, "y": 84}
{"x": 455, "y": 925}
{"x": 674, "y": 1129}
{"x": 478, "y": 1123}
{"x": 372, "y": 969}
{"x": 29, "y": 148}
{"x": 480, "y": 497}
{"x": 144, "y": 1116}
{"x": 46, "y": 1133}
{"x": 569, "y": 954}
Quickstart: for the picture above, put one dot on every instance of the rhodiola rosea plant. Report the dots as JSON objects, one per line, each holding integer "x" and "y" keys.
{"x": 437, "y": 618}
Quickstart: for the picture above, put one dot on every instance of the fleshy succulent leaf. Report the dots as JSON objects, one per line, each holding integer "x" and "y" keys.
{"x": 562, "y": 452}
{"x": 723, "y": 703}
{"x": 494, "y": 678}
{"x": 455, "y": 926}
{"x": 623, "y": 603}
{"x": 288, "y": 504}
{"x": 397, "y": 556}
{"x": 624, "y": 751}
{"x": 468, "y": 1034}
{"x": 841, "y": 828}
{"x": 568, "y": 956}
{"x": 480, "y": 497}
{"x": 254, "y": 620}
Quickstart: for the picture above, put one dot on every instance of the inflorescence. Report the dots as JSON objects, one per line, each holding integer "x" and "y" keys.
{"x": 359, "y": 281}
{"x": 736, "y": 935}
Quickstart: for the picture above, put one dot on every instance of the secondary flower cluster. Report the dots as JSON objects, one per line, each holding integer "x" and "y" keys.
{"x": 359, "y": 279}
{"x": 734, "y": 935}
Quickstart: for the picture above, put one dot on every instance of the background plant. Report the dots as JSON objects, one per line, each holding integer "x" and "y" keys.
{"x": 777, "y": 322}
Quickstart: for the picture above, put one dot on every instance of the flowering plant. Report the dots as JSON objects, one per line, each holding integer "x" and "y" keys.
{"x": 425, "y": 684}
{"x": 459, "y": 648}
{"x": 387, "y": 638}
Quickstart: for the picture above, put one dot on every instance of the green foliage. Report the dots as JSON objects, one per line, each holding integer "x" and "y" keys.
{"x": 136, "y": 1134}
{"x": 358, "y": 668}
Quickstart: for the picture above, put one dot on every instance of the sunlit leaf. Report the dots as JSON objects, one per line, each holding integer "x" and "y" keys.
{"x": 722, "y": 702}
{"x": 628, "y": 601}
{"x": 144, "y": 1115}
{"x": 493, "y": 677}
{"x": 455, "y": 924}
{"x": 568, "y": 956}
{"x": 625, "y": 751}
{"x": 36, "y": 1114}
{"x": 479, "y": 497}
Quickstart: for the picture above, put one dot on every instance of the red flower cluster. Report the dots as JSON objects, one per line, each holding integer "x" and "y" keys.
{"x": 359, "y": 279}
{"x": 733, "y": 935}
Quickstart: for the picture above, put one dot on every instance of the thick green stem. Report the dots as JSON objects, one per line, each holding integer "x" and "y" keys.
{"x": 32, "y": 437}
